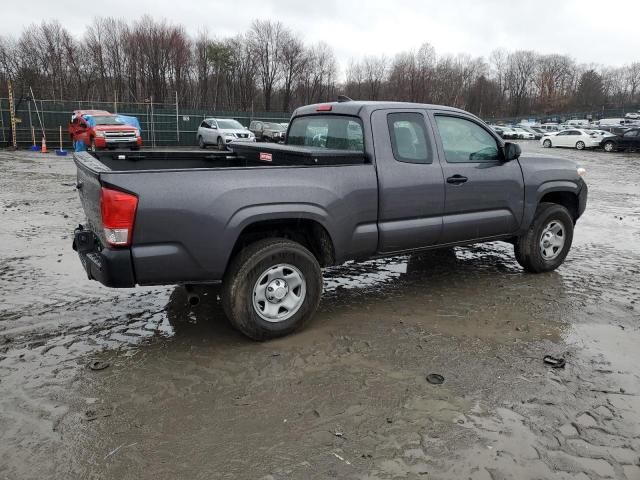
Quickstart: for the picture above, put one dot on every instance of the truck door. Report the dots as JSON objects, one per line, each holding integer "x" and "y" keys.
{"x": 484, "y": 196}
{"x": 410, "y": 182}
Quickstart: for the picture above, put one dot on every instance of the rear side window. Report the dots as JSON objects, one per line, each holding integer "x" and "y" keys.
{"x": 332, "y": 132}
{"x": 465, "y": 141}
{"x": 408, "y": 137}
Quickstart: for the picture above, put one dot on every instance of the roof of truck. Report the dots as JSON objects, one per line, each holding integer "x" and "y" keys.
{"x": 357, "y": 107}
{"x": 91, "y": 112}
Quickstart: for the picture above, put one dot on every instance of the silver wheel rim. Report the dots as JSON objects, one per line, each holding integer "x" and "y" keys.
{"x": 552, "y": 240}
{"x": 608, "y": 147}
{"x": 279, "y": 293}
{"x": 547, "y": 143}
{"x": 580, "y": 145}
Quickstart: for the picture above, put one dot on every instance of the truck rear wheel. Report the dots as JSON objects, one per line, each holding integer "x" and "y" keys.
{"x": 271, "y": 288}
{"x": 545, "y": 246}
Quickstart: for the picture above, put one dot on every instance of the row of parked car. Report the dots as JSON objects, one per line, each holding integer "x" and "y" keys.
{"x": 220, "y": 132}
{"x": 581, "y": 139}
{"x": 611, "y": 138}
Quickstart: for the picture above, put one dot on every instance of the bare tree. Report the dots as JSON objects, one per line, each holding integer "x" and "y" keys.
{"x": 270, "y": 66}
{"x": 266, "y": 41}
{"x": 294, "y": 58}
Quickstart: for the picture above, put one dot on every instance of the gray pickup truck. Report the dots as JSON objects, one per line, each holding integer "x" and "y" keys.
{"x": 354, "y": 180}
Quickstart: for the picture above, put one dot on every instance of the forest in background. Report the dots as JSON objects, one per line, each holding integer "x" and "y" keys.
{"x": 270, "y": 67}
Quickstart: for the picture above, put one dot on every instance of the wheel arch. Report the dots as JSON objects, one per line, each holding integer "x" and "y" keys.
{"x": 567, "y": 198}
{"x": 309, "y": 232}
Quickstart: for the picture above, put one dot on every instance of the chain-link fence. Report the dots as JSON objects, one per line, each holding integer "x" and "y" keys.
{"x": 161, "y": 124}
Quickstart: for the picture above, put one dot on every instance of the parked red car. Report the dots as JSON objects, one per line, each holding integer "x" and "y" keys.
{"x": 99, "y": 129}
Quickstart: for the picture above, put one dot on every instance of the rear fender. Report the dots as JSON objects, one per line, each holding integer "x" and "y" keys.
{"x": 274, "y": 211}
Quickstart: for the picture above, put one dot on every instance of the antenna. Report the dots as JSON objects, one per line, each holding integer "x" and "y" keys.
{"x": 344, "y": 98}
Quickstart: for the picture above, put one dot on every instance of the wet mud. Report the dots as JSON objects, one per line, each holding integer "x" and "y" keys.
{"x": 179, "y": 394}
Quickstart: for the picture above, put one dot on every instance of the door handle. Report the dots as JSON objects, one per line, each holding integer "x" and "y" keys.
{"x": 457, "y": 180}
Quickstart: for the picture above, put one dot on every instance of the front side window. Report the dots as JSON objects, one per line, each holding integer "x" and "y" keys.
{"x": 631, "y": 133}
{"x": 333, "y": 132}
{"x": 408, "y": 137}
{"x": 466, "y": 141}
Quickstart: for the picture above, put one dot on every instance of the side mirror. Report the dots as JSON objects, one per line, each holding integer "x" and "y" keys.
{"x": 511, "y": 151}
{"x": 213, "y": 127}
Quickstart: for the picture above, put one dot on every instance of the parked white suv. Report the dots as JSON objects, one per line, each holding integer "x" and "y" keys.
{"x": 221, "y": 132}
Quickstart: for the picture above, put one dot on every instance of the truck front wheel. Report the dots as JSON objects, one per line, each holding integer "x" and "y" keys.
{"x": 547, "y": 242}
{"x": 271, "y": 288}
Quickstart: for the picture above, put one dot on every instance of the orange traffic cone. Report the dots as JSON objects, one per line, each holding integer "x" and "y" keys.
{"x": 44, "y": 146}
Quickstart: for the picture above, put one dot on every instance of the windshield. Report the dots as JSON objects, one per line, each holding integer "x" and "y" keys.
{"x": 274, "y": 126}
{"x": 107, "y": 120}
{"x": 336, "y": 132}
{"x": 230, "y": 125}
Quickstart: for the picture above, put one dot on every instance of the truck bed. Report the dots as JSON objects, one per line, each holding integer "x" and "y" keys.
{"x": 193, "y": 206}
{"x": 242, "y": 156}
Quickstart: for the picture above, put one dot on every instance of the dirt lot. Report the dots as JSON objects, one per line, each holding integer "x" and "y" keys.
{"x": 186, "y": 397}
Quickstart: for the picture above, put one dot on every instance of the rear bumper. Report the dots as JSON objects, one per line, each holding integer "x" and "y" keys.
{"x": 111, "y": 267}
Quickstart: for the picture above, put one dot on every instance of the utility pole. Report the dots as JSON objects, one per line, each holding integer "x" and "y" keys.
{"x": 177, "y": 121}
{"x": 4, "y": 135}
{"x": 12, "y": 117}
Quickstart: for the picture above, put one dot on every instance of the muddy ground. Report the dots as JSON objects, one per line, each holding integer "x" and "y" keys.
{"x": 186, "y": 397}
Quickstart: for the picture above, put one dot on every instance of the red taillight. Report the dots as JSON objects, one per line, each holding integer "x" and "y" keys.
{"x": 118, "y": 211}
{"x": 324, "y": 108}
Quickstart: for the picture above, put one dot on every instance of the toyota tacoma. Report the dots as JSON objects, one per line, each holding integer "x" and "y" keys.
{"x": 354, "y": 180}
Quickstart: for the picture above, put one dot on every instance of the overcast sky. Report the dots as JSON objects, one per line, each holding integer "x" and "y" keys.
{"x": 590, "y": 31}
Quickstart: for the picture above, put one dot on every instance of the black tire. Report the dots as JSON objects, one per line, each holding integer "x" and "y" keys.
{"x": 609, "y": 147}
{"x": 244, "y": 271}
{"x": 546, "y": 143}
{"x": 220, "y": 143}
{"x": 135, "y": 148}
{"x": 201, "y": 143}
{"x": 580, "y": 145}
{"x": 527, "y": 248}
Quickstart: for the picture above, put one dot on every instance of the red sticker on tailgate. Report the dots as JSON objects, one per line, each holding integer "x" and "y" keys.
{"x": 266, "y": 157}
